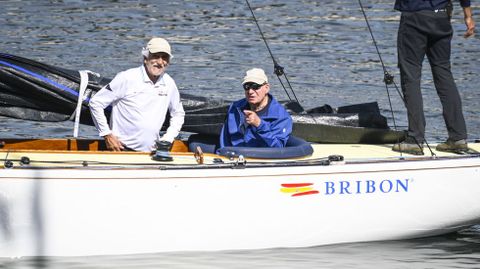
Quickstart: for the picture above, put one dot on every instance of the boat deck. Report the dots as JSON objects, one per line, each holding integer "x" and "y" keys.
{"x": 365, "y": 151}
{"x": 72, "y": 152}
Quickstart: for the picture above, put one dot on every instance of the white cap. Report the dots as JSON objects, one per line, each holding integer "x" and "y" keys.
{"x": 158, "y": 44}
{"x": 256, "y": 75}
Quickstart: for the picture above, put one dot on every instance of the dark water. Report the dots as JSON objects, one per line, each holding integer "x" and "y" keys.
{"x": 328, "y": 56}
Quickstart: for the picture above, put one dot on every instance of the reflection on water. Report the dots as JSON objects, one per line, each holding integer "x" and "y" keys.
{"x": 327, "y": 54}
{"x": 458, "y": 250}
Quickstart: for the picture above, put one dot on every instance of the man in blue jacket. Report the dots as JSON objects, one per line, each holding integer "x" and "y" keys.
{"x": 257, "y": 120}
{"x": 425, "y": 30}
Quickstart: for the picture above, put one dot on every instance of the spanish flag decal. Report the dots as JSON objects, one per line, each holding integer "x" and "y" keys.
{"x": 298, "y": 189}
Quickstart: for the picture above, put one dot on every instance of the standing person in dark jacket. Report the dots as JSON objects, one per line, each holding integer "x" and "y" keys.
{"x": 257, "y": 120}
{"x": 425, "y": 29}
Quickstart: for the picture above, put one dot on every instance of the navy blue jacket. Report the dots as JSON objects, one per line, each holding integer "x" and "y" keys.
{"x": 273, "y": 131}
{"x": 416, "y": 5}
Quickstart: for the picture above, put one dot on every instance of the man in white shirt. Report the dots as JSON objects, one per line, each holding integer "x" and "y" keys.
{"x": 139, "y": 98}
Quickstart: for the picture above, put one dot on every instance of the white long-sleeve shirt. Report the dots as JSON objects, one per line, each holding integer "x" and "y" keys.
{"x": 139, "y": 108}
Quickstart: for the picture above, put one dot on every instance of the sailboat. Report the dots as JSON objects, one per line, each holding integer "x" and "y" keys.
{"x": 72, "y": 197}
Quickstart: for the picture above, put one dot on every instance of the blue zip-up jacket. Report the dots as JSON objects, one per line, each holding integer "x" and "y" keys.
{"x": 273, "y": 131}
{"x": 416, "y": 5}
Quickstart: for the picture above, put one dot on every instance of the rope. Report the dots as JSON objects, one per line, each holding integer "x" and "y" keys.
{"x": 277, "y": 69}
{"x": 387, "y": 77}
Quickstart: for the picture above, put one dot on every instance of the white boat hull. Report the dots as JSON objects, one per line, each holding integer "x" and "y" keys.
{"x": 88, "y": 211}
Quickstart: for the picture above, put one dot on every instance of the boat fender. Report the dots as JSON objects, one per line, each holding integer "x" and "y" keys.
{"x": 296, "y": 147}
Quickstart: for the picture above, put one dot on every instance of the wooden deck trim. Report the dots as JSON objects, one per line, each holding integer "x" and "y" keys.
{"x": 69, "y": 144}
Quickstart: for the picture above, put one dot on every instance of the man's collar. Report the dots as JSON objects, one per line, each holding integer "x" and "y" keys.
{"x": 147, "y": 79}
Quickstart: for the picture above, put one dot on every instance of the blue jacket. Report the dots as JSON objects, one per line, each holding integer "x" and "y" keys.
{"x": 273, "y": 131}
{"x": 416, "y": 5}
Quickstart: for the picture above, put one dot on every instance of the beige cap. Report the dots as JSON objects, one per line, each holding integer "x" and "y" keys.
{"x": 256, "y": 75}
{"x": 158, "y": 44}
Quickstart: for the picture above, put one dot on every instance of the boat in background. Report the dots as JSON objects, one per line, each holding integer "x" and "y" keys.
{"x": 67, "y": 197}
{"x": 32, "y": 90}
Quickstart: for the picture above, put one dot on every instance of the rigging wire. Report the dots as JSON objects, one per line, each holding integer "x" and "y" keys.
{"x": 277, "y": 69}
{"x": 388, "y": 78}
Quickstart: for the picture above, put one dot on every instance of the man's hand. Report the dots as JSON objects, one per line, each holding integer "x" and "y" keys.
{"x": 113, "y": 143}
{"x": 252, "y": 118}
{"x": 469, "y": 22}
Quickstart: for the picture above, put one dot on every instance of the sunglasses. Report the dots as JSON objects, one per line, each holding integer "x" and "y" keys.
{"x": 252, "y": 85}
{"x": 159, "y": 55}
